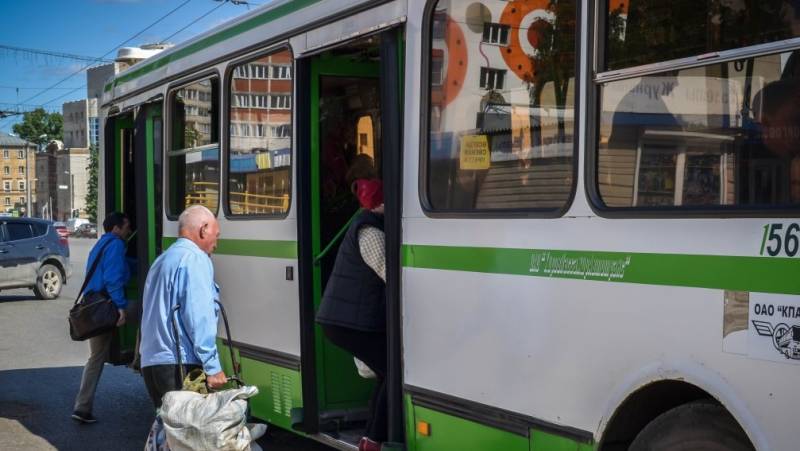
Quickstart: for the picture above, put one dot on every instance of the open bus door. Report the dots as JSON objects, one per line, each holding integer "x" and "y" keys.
{"x": 132, "y": 165}
{"x": 349, "y": 104}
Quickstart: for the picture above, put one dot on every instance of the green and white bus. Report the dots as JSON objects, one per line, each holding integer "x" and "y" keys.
{"x": 591, "y": 212}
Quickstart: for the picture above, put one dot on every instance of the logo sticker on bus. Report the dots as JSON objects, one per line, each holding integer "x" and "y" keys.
{"x": 774, "y": 329}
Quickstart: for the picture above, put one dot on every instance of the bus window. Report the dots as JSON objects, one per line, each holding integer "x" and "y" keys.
{"x": 260, "y": 163}
{"x": 501, "y": 112}
{"x": 726, "y": 134}
{"x": 649, "y": 31}
{"x": 193, "y": 158}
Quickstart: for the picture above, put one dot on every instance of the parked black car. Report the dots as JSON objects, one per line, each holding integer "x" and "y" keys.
{"x": 33, "y": 255}
{"x": 88, "y": 230}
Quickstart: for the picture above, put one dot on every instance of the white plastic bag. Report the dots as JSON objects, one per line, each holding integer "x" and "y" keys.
{"x": 157, "y": 438}
{"x": 216, "y": 421}
{"x": 364, "y": 370}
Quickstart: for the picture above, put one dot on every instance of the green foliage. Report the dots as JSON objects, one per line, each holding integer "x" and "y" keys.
{"x": 39, "y": 122}
{"x": 91, "y": 191}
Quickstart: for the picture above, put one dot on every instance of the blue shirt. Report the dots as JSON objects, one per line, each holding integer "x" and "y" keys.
{"x": 112, "y": 274}
{"x": 183, "y": 275}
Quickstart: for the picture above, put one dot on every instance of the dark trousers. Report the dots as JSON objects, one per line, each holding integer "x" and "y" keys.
{"x": 370, "y": 348}
{"x": 159, "y": 379}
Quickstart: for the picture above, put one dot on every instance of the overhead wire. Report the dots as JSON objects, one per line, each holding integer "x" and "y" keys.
{"x": 108, "y": 53}
{"x": 194, "y": 21}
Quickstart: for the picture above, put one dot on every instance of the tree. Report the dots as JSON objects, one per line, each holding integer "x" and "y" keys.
{"x": 91, "y": 191}
{"x": 39, "y": 122}
{"x": 554, "y": 61}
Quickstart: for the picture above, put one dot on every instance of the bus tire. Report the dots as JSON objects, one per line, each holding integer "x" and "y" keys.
{"x": 48, "y": 282}
{"x": 696, "y": 426}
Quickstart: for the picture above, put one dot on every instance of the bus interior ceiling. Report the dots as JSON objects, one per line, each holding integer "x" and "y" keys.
{"x": 349, "y": 149}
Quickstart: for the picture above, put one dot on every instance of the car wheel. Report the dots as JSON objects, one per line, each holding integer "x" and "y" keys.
{"x": 48, "y": 282}
{"x": 699, "y": 425}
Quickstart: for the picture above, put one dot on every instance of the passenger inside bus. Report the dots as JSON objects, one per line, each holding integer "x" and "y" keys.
{"x": 779, "y": 126}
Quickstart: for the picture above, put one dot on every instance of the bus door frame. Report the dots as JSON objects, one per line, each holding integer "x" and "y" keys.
{"x": 391, "y": 89}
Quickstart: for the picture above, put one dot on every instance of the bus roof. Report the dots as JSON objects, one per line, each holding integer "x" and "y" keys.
{"x": 262, "y": 15}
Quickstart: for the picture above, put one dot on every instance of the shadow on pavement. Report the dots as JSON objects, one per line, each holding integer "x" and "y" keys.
{"x": 18, "y": 298}
{"x": 38, "y": 402}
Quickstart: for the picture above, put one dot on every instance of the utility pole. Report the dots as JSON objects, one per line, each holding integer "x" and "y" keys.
{"x": 28, "y": 205}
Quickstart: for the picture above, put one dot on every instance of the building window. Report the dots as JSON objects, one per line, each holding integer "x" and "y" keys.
{"x": 281, "y": 72}
{"x": 280, "y": 102}
{"x": 493, "y": 152}
{"x": 21, "y": 170}
{"x": 492, "y": 79}
{"x": 21, "y": 184}
{"x": 193, "y": 159}
{"x": 6, "y": 185}
{"x": 8, "y": 201}
{"x": 495, "y": 33}
{"x": 22, "y": 201}
{"x": 259, "y": 154}
{"x": 6, "y": 170}
{"x": 5, "y": 154}
{"x": 437, "y": 67}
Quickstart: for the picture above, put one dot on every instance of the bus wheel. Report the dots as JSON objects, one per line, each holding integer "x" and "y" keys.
{"x": 696, "y": 426}
{"x": 48, "y": 282}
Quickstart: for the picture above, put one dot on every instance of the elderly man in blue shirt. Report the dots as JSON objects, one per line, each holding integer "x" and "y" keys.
{"x": 110, "y": 278}
{"x": 183, "y": 275}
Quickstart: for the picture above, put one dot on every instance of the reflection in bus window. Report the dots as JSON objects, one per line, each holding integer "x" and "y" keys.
{"x": 259, "y": 173}
{"x": 193, "y": 159}
{"x": 501, "y": 117}
{"x": 721, "y": 135}
{"x": 649, "y": 31}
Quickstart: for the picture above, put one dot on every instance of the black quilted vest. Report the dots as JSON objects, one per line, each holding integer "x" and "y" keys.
{"x": 355, "y": 295}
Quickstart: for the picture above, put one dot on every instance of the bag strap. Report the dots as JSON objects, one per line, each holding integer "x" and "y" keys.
{"x": 95, "y": 263}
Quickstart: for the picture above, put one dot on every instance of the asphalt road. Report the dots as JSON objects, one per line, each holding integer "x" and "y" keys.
{"x": 40, "y": 371}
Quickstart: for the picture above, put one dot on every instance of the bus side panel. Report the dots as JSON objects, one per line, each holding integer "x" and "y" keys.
{"x": 280, "y": 388}
{"x": 450, "y": 433}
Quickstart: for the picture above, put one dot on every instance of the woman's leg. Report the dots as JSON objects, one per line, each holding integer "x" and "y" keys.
{"x": 370, "y": 348}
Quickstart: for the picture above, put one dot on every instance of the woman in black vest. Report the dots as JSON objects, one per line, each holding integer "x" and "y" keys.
{"x": 353, "y": 310}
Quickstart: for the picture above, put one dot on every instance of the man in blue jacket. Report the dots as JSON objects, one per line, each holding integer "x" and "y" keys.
{"x": 111, "y": 276}
{"x": 182, "y": 276}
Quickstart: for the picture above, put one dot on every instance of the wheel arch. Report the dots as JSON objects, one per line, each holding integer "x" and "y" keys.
{"x": 660, "y": 387}
{"x": 58, "y": 264}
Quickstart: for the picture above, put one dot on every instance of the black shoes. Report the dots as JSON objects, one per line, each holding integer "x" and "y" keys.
{"x": 84, "y": 417}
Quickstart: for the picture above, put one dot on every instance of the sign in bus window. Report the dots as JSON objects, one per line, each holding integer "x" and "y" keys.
{"x": 642, "y": 32}
{"x": 501, "y": 117}
{"x": 260, "y": 153}
{"x": 724, "y": 135}
{"x": 193, "y": 158}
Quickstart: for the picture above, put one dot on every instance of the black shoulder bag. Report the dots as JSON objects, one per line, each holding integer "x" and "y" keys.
{"x": 92, "y": 314}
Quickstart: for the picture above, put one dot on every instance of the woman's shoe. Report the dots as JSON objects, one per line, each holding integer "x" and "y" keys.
{"x": 365, "y": 444}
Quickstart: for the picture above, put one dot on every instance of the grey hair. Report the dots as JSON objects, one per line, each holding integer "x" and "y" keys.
{"x": 194, "y": 217}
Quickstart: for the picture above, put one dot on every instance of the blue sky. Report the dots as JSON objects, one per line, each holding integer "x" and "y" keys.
{"x": 88, "y": 28}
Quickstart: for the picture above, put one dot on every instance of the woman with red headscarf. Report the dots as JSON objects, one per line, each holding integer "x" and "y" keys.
{"x": 353, "y": 309}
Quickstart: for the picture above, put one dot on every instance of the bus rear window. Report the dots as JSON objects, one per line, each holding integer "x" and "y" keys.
{"x": 722, "y": 135}
{"x": 649, "y": 31}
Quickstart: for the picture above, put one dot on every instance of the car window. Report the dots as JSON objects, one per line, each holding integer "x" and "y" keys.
{"x": 18, "y": 231}
{"x": 39, "y": 229}
{"x": 2, "y": 232}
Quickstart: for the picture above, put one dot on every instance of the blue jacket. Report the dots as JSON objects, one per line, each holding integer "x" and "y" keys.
{"x": 183, "y": 275}
{"x": 112, "y": 274}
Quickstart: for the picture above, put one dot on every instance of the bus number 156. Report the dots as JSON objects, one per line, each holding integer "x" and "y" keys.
{"x": 776, "y": 239}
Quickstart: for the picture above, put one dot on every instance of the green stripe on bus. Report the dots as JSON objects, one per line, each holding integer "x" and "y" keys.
{"x": 249, "y": 248}
{"x": 247, "y": 25}
{"x": 761, "y": 274}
